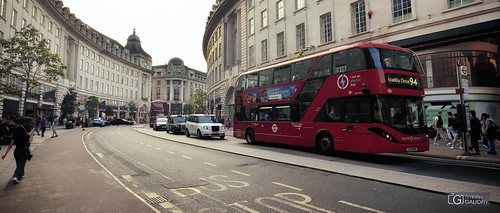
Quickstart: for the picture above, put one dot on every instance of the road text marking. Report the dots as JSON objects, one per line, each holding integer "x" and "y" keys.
{"x": 361, "y": 207}
{"x": 287, "y": 186}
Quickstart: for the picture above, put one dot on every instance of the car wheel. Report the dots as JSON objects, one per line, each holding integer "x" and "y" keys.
{"x": 222, "y": 137}
{"x": 187, "y": 133}
{"x": 325, "y": 144}
{"x": 198, "y": 134}
{"x": 250, "y": 136}
{"x": 166, "y": 129}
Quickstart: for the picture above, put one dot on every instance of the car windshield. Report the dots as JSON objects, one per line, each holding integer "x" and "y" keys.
{"x": 161, "y": 120}
{"x": 207, "y": 119}
{"x": 179, "y": 119}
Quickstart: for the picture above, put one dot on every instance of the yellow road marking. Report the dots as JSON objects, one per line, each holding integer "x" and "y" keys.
{"x": 127, "y": 177}
{"x": 149, "y": 145}
{"x": 158, "y": 148}
{"x": 361, "y": 207}
{"x": 210, "y": 164}
{"x": 152, "y": 195}
{"x": 100, "y": 155}
{"x": 187, "y": 157}
{"x": 170, "y": 152}
{"x": 241, "y": 173}
{"x": 287, "y": 186}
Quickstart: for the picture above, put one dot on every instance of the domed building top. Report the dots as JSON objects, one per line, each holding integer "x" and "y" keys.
{"x": 134, "y": 45}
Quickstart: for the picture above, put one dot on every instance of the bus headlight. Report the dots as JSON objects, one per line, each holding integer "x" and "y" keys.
{"x": 383, "y": 133}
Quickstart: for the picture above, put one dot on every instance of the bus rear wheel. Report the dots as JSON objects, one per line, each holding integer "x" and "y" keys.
{"x": 324, "y": 143}
{"x": 250, "y": 136}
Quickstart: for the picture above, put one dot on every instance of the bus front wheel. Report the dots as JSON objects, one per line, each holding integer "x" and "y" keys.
{"x": 324, "y": 143}
{"x": 250, "y": 136}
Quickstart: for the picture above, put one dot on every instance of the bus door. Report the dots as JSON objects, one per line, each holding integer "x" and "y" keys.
{"x": 281, "y": 128}
{"x": 357, "y": 111}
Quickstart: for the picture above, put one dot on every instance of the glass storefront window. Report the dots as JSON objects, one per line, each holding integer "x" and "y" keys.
{"x": 441, "y": 68}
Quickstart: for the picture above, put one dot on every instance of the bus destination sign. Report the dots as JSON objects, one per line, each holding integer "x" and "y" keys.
{"x": 403, "y": 81}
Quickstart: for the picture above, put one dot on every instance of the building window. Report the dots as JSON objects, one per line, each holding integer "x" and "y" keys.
{"x": 14, "y": 18}
{"x": 300, "y": 31}
{"x": 263, "y": 14}
{"x": 3, "y": 9}
{"x": 401, "y": 10}
{"x": 35, "y": 12}
{"x": 299, "y": 4}
{"x": 250, "y": 4}
{"x": 326, "y": 27}
{"x": 42, "y": 20}
{"x": 251, "y": 56}
{"x": 458, "y": 3}
{"x": 264, "y": 50}
{"x": 280, "y": 42}
{"x": 280, "y": 10}
{"x": 50, "y": 26}
{"x": 358, "y": 17}
{"x": 23, "y": 23}
{"x": 251, "y": 26}
{"x": 26, "y": 4}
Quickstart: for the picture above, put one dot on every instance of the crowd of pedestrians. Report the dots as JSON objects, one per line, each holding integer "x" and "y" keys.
{"x": 482, "y": 129}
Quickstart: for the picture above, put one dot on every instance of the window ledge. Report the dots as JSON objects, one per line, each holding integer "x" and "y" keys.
{"x": 281, "y": 19}
{"x": 264, "y": 28}
{"x": 301, "y": 9}
{"x": 326, "y": 43}
{"x": 403, "y": 22}
{"x": 359, "y": 34}
{"x": 462, "y": 6}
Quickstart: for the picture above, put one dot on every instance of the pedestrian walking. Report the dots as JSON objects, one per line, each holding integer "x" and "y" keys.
{"x": 452, "y": 127}
{"x": 55, "y": 123}
{"x": 43, "y": 125}
{"x": 491, "y": 131}
{"x": 483, "y": 127}
{"x": 22, "y": 139}
{"x": 459, "y": 136}
{"x": 475, "y": 133}
{"x": 228, "y": 123}
{"x": 438, "y": 126}
{"x": 37, "y": 125}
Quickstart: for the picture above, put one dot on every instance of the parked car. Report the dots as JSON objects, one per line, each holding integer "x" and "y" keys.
{"x": 160, "y": 124}
{"x": 204, "y": 126}
{"x": 120, "y": 121}
{"x": 132, "y": 121}
{"x": 97, "y": 122}
{"x": 176, "y": 124}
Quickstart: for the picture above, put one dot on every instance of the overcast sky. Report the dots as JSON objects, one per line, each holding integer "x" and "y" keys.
{"x": 167, "y": 28}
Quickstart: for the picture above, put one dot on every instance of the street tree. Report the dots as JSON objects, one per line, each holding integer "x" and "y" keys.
{"x": 91, "y": 105}
{"x": 188, "y": 108}
{"x": 27, "y": 57}
{"x": 199, "y": 101}
{"x": 109, "y": 111}
{"x": 132, "y": 107}
{"x": 69, "y": 103}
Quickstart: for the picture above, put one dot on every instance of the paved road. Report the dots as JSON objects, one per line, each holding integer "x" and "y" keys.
{"x": 179, "y": 176}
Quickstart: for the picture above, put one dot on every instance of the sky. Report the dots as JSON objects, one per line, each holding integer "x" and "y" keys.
{"x": 167, "y": 28}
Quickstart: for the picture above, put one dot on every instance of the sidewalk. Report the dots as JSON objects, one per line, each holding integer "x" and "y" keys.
{"x": 63, "y": 177}
{"x": 444, "y": 151}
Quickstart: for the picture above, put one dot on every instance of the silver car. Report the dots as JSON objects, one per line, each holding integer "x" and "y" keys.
{"x": 160, "y": 124}
{"x": 204, "y": 126}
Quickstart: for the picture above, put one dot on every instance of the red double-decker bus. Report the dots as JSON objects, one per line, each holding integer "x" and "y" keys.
{"x": 158, "y": 108}
{"x": 365, "y": 98}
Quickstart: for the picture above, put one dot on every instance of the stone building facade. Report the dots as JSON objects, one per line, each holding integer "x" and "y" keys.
{"x": 248, "y": 34}
{"x": 97, "y": 65}
{"x": 175, "y": 83}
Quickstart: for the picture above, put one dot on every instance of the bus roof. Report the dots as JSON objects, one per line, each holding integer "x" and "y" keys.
{"x": 336, "y": 49}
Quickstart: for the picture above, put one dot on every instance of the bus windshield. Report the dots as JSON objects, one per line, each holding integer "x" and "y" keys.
{"x": 393, "y": 59}
{"x": 406, "y": 114}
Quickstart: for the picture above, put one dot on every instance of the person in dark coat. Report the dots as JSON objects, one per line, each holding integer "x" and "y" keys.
{"x": 475, "y": 133}
{"x": 22, "y": 139}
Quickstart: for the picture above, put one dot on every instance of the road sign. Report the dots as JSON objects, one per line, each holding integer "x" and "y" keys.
{"x": 464, "y": 81}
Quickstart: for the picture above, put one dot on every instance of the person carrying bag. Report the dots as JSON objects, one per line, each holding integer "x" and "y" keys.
{"x": 21, "y": 138}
